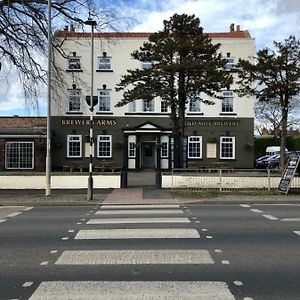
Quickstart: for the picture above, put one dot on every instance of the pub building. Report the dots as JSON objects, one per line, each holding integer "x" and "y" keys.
{"x": 138, "y": 135}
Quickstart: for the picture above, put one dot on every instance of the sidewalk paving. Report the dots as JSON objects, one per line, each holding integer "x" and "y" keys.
{"x": 140, "y": 195}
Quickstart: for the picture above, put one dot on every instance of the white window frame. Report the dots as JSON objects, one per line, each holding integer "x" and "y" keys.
{"x": 106, "y": 99}
{"x": 79, "y": 140}
{"x": 166, "y": 155}
{"x": 77, "y": 96}
{"x": 227, "y": 102}
{"x": 74, "y": 63}
{"x": 222, "y": 142}
{"x": 19, "y": 161}
{"x": 104, "y": 63}
{"x": 195, "y": 140}
{"x": 145, "y": 65}
{"x": 230, "y": 64}
{"x": 163, "y": 106}
{"x": 132, "y": 106}
{"x": 131, "y": 150}
{"x": 148, "y": 105}
{"x": 99, "y": 137}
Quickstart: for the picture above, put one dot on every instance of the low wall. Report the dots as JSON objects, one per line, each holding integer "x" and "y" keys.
{"x": 58, "y": 181}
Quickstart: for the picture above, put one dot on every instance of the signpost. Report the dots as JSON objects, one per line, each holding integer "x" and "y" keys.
{"x": 288, "y": 174}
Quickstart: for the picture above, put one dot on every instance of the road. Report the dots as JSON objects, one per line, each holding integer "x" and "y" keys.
{"x": 177, "y": 251}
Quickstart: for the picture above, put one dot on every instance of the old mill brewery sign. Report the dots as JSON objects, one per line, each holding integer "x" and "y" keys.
{"x": 288, "y": 174}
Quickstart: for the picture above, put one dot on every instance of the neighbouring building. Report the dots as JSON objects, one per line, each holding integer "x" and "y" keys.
{"x": 22, "y": 143}
{"x": 139, "y": 136}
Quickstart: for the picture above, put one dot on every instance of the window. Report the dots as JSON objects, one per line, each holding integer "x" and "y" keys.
{"x": 163, "y": 105}
{"x": 104, "y": 100}
{"x": 147, "y": 65}
{"x": 164, "y": 150}
{"x": 148, "y": 105}
{"x": 227, "y": 147}
{"x": 74, "y": 100}
{"x": 194, "y": 105}
{"x": 131, "y": 150}
{"x": 74, "y": 146}
{"x": 132, "y": 106}
{"x": 104, "y": 146}
{"x": 195, "y": 147}
{"x": 19, "y": 155}
{"x": 74, "y": 63}
{"x": 227, "y": 101}
{"x": 229, "y": 66}
{"x": 104, "y": 63}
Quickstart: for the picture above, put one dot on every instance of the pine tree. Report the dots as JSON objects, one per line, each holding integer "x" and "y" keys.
{"x": 185, "y": 63}
{"x": 277, "y": 77}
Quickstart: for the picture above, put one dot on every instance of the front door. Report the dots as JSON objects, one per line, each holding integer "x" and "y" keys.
{"x": 148, "y": 155}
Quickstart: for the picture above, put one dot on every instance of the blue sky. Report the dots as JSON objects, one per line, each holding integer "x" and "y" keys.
{"x": 266, "y": 20}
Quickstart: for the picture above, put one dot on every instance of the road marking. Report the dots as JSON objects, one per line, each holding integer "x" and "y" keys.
{"x": 28, "y": 208}
{"x": 140, "y": 206}
{"x": 256, "y": 210}
{"x": 297, "y": 232}
{"x": 270, "y": 217}
{"x": 218, "y": 251}
{"x": 209, "y": 237}
{"x": 44, "y": 263}
{"x": 148, "y": 233}
{"x": 65, "y": 238}
{"x": 82, "y": 219}
{"x": 138, "y": 220}
{"x": 78, "y": 223}
{"x": 204, "y": 229}
{"x": 27, "y": 284}
{"x": 53, "y": 251}
{"x": 3, "y": 220}
{"x": 238, "y": 283}
{"x": 290, "y": 220}
{"x": 146, "y": 290}
{"x": 244, "y": 205}
{"x": 71, "y": 230}
{"x": 225, "y": 262}
{"x": 134, "y": 257}
{"x": 194, "y": 218}
{"x": 198, "y": 222}
{"x": 14, "y": 214}
{"x": 139, "y": 212}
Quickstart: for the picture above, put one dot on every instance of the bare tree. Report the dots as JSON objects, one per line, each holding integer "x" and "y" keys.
{"x": 23, "y": 35}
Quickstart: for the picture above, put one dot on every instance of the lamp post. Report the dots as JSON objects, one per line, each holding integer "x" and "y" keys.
{"x": 48, "y": 151}
{"x": 91, "y": 23}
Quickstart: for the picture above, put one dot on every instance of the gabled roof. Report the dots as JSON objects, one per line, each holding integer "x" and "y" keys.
{"x": 147, "y": 126}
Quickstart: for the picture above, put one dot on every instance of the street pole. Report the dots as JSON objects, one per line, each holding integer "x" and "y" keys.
{"x": 48, "y": 152}
{"x": 92, "y": 23}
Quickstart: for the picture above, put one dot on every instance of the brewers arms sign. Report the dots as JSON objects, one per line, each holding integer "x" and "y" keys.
{"x": 98, "y": 122}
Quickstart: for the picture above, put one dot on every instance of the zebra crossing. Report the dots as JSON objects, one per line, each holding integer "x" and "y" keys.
{"x": 123, "y": 223}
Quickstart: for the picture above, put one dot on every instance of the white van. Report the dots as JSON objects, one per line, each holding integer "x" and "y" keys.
{"x": 271, "y": 150}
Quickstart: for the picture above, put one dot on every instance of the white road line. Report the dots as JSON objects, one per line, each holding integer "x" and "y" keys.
{"x": 140, "y": 206}
{"x": 256, "y": 210}
{"x": 225, "y": 262}
{"x": 71, "y": 230}
{"x": 238, "y": 283}
{"x": 244, "y": 205}
{"x": 14, "y": 214}
{"x": 204, "y": 229}
{"x": 134, "y": 257}
{"x": 53, "y": 251}
{"x": 297, "y": 232}
{"x": 65, "y": 238}
{"x": 218, "y": 251}
{"x": 3, "y": 220}
{"x": 209, "y": 237}
{"x": 138, "y": 220}
{"x": 138, "y": 212}
{"x": 27, "y": 284}
{"x": 44, "y": 263}
{"x": 290, "y": 220}
{"x": 165, "y": 233}
{"x": 270, "y": 217}
{"x": 28, "y": 208}
{"x": 121, "y": 290}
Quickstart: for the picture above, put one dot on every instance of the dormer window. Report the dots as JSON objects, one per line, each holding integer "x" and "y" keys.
{"x": 74, "y": 63}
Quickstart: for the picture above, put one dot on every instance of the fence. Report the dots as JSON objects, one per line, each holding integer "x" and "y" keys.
{"x": 224, "y": 179}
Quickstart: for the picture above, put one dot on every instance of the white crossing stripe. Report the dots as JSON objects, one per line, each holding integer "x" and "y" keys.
{"x": 134, "y": 257}
{"x": 133, "y": 290}
{"x": 140, "y": 206}
{"x": 149, "y": 233}
{"x": 297, "y": 232}
{"x": 139, "y": 212}
{"x": 291, "y": 220}
{"x": 256, "y": 210}
{"x": 138, "y": 220}
{"x": 2, "y": 220}
{"x": 244, "y": 205}
{"x": 14, "y": 214}
{"x": 270, "y": 217}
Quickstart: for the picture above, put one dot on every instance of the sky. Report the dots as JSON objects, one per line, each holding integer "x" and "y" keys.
{"x": 266, "y": 20}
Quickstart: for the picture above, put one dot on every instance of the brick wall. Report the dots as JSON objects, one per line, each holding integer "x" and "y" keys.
{"x": 22, "y": 122}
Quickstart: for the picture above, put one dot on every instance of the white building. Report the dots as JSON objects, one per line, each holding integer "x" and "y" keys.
{"x": 138, "y": 135}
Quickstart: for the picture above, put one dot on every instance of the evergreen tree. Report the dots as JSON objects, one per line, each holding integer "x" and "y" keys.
{"x": 185, "y": 63}
{"x": 277, "y": 76}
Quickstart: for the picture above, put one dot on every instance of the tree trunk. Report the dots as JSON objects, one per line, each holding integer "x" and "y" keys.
{"x": 283, "y": 135}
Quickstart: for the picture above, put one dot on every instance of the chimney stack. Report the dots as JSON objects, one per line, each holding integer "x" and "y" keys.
{"x": 66, "y": 28}
{"x": 231, "y": 28}
{"x": 72, "y": 28}
{"x": 238, "y": 28}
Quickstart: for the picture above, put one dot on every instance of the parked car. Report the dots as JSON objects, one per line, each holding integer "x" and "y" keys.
{"x": 261, "y": 162}
{"x": 274, "y": 162}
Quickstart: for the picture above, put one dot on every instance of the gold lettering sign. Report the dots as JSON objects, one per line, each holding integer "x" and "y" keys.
{"x": 102, "y": 122}
{"x": 212, "y": 123}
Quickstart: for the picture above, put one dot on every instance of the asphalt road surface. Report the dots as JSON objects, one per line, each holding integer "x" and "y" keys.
{"x": 195, "y": 251}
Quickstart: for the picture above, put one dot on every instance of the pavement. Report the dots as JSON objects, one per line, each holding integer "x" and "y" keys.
{"x": 134, "y": 195}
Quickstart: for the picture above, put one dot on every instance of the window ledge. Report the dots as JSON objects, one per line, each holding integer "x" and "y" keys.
{"x": 195, "y": 113}
{"x": 74, "y": 113}
{"x": 104, "y": 113}
{"x": 147, "y": 113}
{"x": 104, "y": 70}
{"x": 74, "y": 70}
{"x": 228, "y": 114}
